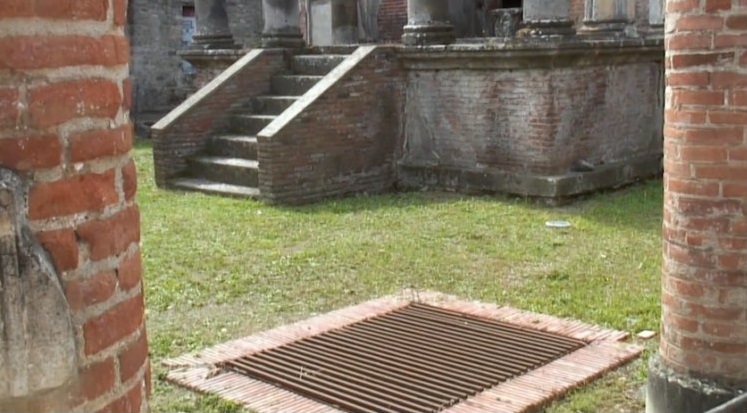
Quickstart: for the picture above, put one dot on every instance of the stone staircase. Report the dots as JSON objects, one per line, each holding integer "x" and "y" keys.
{"x": 229, "y": 166}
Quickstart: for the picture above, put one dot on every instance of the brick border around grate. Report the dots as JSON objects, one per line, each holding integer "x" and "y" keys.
{"x": 605, "y": 351}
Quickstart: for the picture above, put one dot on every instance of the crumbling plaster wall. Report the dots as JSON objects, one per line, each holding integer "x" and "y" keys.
{"x": 155, "y": 32}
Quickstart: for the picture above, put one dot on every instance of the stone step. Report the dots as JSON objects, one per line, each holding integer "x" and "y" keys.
{"x": 233, "y": 171}
{"x": 216, "y": 188}
{"x": 272, "y": 105}
{"x": 333, "y": 49}
{"x": 248, "y": 124}
{"x": 313, "y": 64}
{"x": 293, "y": 85}
{"x": 234, "y": 146}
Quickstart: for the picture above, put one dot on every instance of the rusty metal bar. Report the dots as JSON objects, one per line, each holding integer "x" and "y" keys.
{"x": 478, "y": 338}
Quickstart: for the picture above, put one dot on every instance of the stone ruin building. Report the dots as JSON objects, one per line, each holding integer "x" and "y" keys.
{"x": 72, "y": 321}
{"x": 547, "y": 100}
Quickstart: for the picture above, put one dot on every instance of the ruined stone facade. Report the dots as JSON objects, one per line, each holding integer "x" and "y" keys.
{"x": 564, "y": 106}
{"x": 162, "y": 79}
{"x": 157, "y": 31}
{"x": 72, "y": 320}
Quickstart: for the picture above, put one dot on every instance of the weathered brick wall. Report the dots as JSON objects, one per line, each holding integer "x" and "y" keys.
{"x": 534, "y": 120}
{"x": 343, "y": 142}
{"x": 704, "y": 299}
{"x": 64, "y": 126}
{"x": 185, "y": 130}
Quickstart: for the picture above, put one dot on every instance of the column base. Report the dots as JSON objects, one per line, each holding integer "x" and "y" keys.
{"x": 547, "y": 28}
{"x": 283, "y": 40}
{"x": 214, "y": 42}
{"x": 423, "y": 35}
{"x": 603, "y": 28}
{"x": 653, "y": 30}
{"x": 506, "y": 22}
{"x": 671, "y": 392}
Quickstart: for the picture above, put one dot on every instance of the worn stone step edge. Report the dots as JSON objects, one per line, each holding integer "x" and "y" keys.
{"x": 315, "y": 64}
{"x": 225, "y": 161}
{"x": 256, "y": 116}
{"x": 249, "y": 139}
{"x": 212, "y": 187}
{"x": 320, "y": 56}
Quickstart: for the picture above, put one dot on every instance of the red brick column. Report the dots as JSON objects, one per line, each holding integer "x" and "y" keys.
{"x": 65, "y": 128}
{"x": 703, "y": 354}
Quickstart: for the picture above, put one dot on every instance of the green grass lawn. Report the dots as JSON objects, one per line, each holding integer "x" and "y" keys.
{"x": 218, "y": 269}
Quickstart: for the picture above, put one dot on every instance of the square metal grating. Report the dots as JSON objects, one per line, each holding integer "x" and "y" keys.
{"x": 418, "y": 358}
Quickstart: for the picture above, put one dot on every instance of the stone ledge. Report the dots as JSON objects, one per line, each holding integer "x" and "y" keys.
{"x": 533, "y": 52}
{"x": 555, "y": 187}
{"x": 208, "y": 54}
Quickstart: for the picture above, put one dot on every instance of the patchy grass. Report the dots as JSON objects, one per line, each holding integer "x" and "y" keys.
{"x": 218, "y": 268}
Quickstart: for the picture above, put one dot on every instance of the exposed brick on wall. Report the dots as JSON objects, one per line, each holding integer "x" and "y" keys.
{"x": 64, "y": 126}
{"x": 704, "y": 298}
{"x": 187, "y": 129}
{"x": 344, "y": 142}
{"x": 392, "y": 17}
{"x": 534, "y": 121}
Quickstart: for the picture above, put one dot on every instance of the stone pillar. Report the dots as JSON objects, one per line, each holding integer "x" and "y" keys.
{"x": 72, "y": 324}
{"x": 212, "y": 26}
{"x": 344, "y": 21}
{"x": 428, "y": 23}
{"x": 702, "y": 359}
{"x": 282, "y": 24}
{"x": 608, "y": 16}
{"x": 543, "y": 18}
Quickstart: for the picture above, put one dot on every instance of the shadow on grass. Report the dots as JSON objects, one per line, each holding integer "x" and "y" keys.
{"x": 636, "y": 206}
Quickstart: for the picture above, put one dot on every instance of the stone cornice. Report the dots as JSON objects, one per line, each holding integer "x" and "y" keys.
{"x": 540, "y": 52}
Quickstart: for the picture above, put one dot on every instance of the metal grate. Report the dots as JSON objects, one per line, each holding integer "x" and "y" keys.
{"x": 418, "y": 358}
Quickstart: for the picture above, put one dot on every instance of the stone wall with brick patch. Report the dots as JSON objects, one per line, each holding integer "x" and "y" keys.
{"x": 341, "y": 137}
{"x": 65, "y": 98}
{"x": 160, "y": 79}
{"x": 186, "y": 130}
{"x": 528, "y": 109}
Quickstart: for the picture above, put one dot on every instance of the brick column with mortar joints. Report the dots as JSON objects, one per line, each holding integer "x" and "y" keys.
{"x": 702, "y": 360}
{"x": 282, "y": 24}
{"x": 607, "y": 16}
{"x": 212, "y": 26}
{"x": 546, "y": 18}
{"x": 65, "y": 97}
{"x": 428, "y": 23}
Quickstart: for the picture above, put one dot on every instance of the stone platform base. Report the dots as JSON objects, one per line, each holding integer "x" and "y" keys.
{"x": 669, "y": 392}
{"x": 554, "y": 188}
